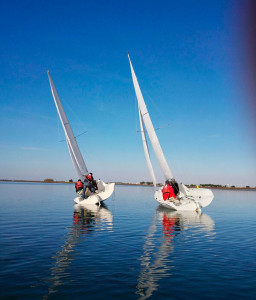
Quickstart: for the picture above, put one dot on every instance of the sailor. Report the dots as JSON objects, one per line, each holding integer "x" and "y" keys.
{"x": 79, "y": 187}
{"x": 94, "y": 183}
{"x": 89, "y": 184}
{"x": 175, "y": 186}
{"x": 168, "y": 192}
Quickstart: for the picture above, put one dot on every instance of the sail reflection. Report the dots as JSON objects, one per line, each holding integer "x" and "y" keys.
{"x": 156, "y": 260}
{"x": 86, "y": 220}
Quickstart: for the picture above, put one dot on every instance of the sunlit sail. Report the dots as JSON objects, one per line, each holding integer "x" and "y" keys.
{"x": 149, "y": 126}
{"x": 189, "y": 198}
{"x": 104, "y": 190}
{"x": 145, "y": 145}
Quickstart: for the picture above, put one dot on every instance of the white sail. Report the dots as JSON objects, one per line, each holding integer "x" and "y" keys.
{"x": 145, "y": 146}
{"x": 74, "y": 151}
{"x": 149, "y": 126}
{"x": 78, "y": 172}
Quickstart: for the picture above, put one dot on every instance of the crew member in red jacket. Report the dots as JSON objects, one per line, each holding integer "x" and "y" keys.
{"x": 89, "y": 185}
{"x": 79, "y": 187}
{"x": 168, "y": 192}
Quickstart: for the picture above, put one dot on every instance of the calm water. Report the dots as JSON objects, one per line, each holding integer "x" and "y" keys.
{"x": 128, "y": 249}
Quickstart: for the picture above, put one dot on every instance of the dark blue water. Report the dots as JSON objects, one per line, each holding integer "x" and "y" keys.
{"x": 129, "y": 249}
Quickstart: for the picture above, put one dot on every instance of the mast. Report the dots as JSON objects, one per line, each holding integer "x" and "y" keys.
{"x": 145, "y": 146}
{"x": 74, "y": 151}
{"x": 149, "y": 126}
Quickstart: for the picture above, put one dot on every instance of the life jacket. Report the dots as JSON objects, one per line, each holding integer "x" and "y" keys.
{"x": 79, "y": 185}
{"x": 168, "y": 192}
{"x": 89, "y": 177}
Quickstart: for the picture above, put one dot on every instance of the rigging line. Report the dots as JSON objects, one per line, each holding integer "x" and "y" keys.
{"x": 75, "y": 136}
{"x": 80, "y": 123}
{"x": 178, "y": 165}
{"x": 163, "y": 117}
{"x": 179, "y": 162}
{"x": 80, "y": 134}
{"x": 168, "y": 124}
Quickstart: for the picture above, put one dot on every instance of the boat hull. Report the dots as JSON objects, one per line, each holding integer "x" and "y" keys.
{"x": 193, "y": 201}
{"x": 105, "y": 190}
{"x": 203, "y": 196}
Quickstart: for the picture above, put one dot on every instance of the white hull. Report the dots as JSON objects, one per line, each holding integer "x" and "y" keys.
{"x": 105, "y": 190}
{"x": 193, "y": 201}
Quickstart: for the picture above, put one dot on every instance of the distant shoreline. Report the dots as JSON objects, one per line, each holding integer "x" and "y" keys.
{"x": 135, "y": 184}
{"x": 194, "y": 186}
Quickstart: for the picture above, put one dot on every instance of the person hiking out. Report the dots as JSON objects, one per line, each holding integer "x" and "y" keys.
{"x": 79, "y": 187}
{"x": 93, "y": 181}
{"x": 89, "y": 185}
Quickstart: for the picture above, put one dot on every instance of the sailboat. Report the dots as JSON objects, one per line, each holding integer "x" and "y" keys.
{"x": 105, "y": 190}
{"x": 190, "y": 199}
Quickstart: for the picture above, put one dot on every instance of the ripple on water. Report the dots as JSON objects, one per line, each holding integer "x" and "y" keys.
{"x": 129, "y": 249}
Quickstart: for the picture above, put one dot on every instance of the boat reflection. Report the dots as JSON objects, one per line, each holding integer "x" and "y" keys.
{"x": 90, "y": 216}
{"x": 86, "y": 220}
{"x": 156, "y": 260}
{"x": 184, "y": 220}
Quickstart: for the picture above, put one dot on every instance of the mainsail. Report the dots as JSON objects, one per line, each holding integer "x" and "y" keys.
{"x": 74, "y": 151}
{"x": 145, "y": 146}
{"x": 149, "y": 126}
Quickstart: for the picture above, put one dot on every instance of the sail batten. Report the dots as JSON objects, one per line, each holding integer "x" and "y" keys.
{"x": 74, "y": 151}
{"x": 149, "y": 126}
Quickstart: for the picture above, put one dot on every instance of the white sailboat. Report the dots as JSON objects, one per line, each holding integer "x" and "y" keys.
{"x": 190, "y": 199}
{"x": 105, "y": 190}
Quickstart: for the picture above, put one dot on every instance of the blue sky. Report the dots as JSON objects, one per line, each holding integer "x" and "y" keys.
{"x": 189, "y": 58}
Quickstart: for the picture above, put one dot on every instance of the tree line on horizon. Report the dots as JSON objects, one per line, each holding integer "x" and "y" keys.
{"x": 147, "y": 183}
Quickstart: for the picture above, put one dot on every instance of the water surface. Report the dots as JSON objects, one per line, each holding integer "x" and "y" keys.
{"x": 130, "y": 248}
